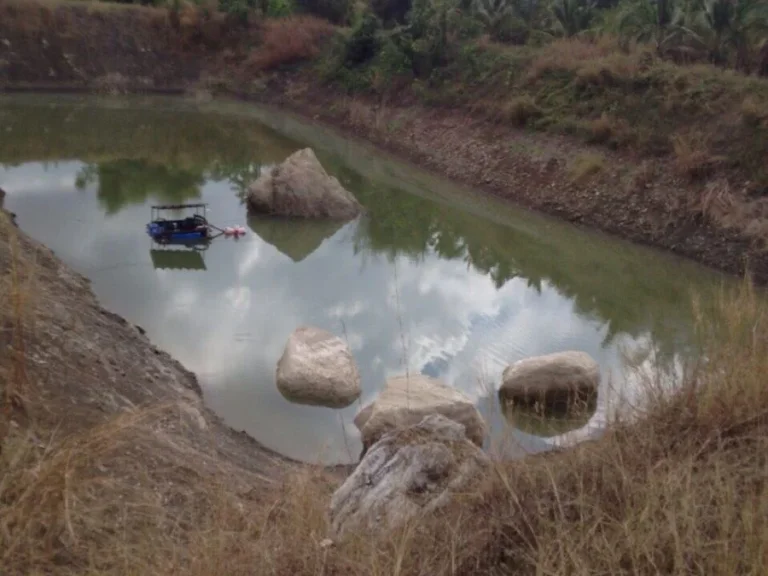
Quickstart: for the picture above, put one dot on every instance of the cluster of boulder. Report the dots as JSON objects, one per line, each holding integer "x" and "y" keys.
{"x": 422, "y": 440}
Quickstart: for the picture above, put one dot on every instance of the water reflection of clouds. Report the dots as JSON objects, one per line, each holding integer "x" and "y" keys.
{"x": 230, "y": 322}
{"x": 39, "y": 178}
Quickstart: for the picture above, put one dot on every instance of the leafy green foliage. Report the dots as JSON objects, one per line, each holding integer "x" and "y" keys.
{"x": 725, "y": 32}
{"x": 363, "y": 43}
{"x": 725, "y": 27}
{"x": 574, "y": 16}
{"x": 657, "y": 21}
{"x": 496, "y": 15}
{"x": 279, "y": 8}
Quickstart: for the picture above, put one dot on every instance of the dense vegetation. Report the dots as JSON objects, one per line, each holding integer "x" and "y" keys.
{"x": 728, "y": 33}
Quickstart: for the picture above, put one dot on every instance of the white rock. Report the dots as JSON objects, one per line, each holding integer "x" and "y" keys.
{"x": 411, "y": 471}
{"x": 300, "y": 187}
{"x": 406, "y": 400}
{"x": 317, "y": 368}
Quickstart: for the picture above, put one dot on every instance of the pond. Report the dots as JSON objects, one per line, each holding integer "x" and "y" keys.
{"x": 436, "y": 279}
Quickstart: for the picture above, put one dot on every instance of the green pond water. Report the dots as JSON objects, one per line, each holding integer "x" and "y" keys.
{"x": 435, "y": 279}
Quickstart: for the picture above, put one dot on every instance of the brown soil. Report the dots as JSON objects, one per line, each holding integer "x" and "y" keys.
{"x": 646, "y": 200}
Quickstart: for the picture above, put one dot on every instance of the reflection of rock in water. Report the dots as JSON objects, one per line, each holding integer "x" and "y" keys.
{"x": 548, "y": 422}
{"x": 295, "y": 238}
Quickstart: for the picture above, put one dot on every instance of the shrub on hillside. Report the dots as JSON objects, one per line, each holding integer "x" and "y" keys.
{"x": 363, "y": 44}
{"x": 336, "y": 11}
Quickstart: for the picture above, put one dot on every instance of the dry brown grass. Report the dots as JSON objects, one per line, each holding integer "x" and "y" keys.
{"x": 585, "y": 166}
{"x": 286, "y": 41}
{"x": 520, "y": 110}
{"x": 692, "y": 157}
{"x": 596, "y": 61}
{"x": 607, "y": 129}
{"x": 753, "y": 111}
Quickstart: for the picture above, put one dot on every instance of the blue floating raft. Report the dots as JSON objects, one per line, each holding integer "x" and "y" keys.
{"x": 182, "y": 230}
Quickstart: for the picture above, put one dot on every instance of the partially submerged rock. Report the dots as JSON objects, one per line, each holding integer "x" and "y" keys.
{"x": 557, "y": 382}
{"x": 317, "y": 369}
{"x": 300, "y": 187}
{"x": 406, "y": 400}
{"x": 414, "y": 470}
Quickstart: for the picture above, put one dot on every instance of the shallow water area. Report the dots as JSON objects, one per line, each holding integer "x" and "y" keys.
{"x": 434, "y": 279}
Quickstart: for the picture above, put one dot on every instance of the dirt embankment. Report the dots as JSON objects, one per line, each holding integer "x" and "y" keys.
{"x": 644, "y": 199}
{"x": 69, "y": 365}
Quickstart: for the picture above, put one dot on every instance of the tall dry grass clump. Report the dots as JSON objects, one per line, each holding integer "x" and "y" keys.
{"x": 286, "y": 41}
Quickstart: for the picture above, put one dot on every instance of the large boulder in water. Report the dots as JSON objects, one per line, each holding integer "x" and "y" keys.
{"x": 415, "y": 470}
{"x": 300, "y": 187}
{"x": 317, "y": 369}
{"x": 556, "y": 382}
{"x": 406, "y": 400}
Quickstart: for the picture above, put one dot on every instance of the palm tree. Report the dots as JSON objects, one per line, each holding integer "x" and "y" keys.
{"x": 509, "y": 19}
{"x": 574, "y": 15}
{"x": 657, "y": 21}
{"x": 730, "y": 25}
{"x": 494, "y": 14}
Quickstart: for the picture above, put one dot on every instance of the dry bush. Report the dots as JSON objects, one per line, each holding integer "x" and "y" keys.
{"x": 573, "y": 54}
{"x": 360, "y": 113}
{"x": 290, "y": 40}
{"x": 585, "y": 166}
{"x": 609, "y": 130}
{"x": 754, "y": 112}
{"x": 520, "y": 110}
{"x": 692, "y": 157}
